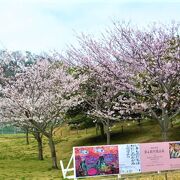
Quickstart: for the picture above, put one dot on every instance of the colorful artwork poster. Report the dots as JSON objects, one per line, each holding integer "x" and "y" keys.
{"x": 155, "y": 157}
{"x": 129, "y": 158}
{"x": 96, "y": 160}
{"x": 174, "y": 155}
{"x": 174, "y": 150}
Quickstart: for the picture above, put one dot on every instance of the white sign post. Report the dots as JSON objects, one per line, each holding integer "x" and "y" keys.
{"x": 68, "y": 169}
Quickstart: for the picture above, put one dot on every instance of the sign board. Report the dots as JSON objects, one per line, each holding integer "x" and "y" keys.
{"x": 126, "y": 158}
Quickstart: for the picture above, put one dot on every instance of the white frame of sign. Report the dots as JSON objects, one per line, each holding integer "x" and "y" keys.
{"x": 73, "y": 169}
{"x": 68, "y": 169}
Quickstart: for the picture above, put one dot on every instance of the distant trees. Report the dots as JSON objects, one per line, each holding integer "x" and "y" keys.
{"x": 77, "y": 117}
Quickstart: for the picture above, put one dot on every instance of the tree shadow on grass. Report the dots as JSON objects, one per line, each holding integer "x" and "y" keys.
{"x": 117, "y": 137}
{"x": 149, "y": 131}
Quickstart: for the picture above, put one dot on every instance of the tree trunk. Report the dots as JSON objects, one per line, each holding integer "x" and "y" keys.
{"x": 38, "y": 138}
{"x": 97, "y": 129}
{"x": 122, "y": 129}
{"x": 165, "y": 122}
{"x": 102, "y": 130}
{"x": 164, "y": 135}
{"x": 27, "y": 136}
{"x": 53, "y": 152}
{"x": 171, "y": 124}
{"x": 139, "y": 122}
{"x": 108, "y": 134}
{"x": 40, "y": 148}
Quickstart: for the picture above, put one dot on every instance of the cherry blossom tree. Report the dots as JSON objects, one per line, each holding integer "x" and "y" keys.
{"x": 107, "y": 88}
{"x": 13, "y": 62}
{"x": 41, "y": 95}
{"x": 141, "y": 65}
{"x": 154, "y": 56}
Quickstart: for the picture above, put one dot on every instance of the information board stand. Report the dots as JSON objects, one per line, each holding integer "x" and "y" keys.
{"x": 123, "y": 159}
{"x": 68, "y": 169}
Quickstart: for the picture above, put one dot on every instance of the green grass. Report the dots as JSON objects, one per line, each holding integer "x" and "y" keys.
{"x": 19, "y": 161}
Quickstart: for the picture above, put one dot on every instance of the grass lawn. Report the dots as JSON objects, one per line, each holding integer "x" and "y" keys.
{"x": 19, "y": 161}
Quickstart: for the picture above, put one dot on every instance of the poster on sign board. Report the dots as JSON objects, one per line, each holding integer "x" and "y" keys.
{"x": 96, "y": 160}
{"x": 174, "y": 155}
{"x": 174, "y": 150}
{"x": 129, "y": 158}
{"x": 155, "y": 157}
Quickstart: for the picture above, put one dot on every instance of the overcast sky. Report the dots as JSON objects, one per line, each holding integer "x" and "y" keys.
{"x": 42, "y": 25}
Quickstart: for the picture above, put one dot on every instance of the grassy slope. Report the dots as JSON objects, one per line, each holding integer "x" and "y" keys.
{"x": 19, "y": 161}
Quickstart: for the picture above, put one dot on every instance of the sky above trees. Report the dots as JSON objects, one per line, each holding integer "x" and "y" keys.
{"x": 45, "y": 25}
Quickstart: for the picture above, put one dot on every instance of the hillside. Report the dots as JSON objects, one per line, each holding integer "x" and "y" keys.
{"x": 19, "y": 161}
